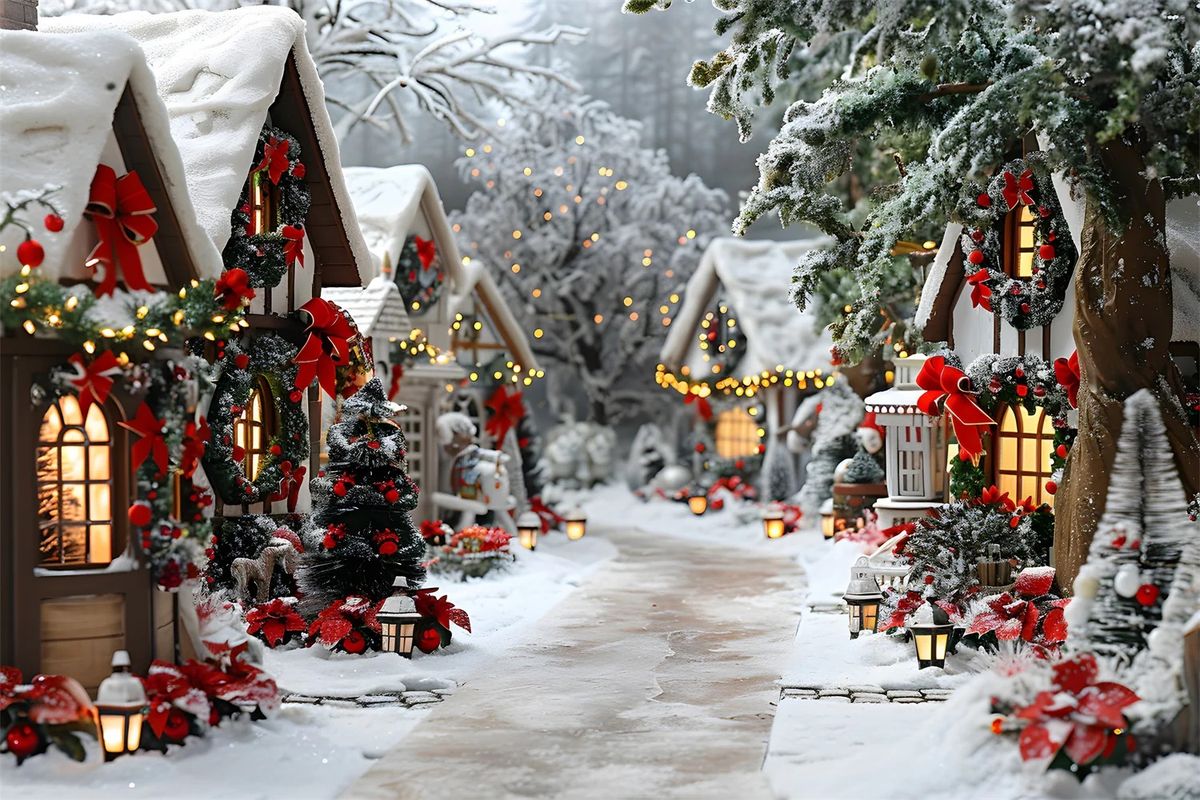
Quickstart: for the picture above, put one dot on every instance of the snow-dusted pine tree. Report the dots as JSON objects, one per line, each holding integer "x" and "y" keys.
{"x": 592, "y": 237}
{"x": 949, "y": 91}
{"x": 778, "y": 480}
{"x": 1141, "y": 582}
{"x": 832, "y": 443}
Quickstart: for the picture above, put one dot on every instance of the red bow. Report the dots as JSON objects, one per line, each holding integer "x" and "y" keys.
{"x": 151, "y": 443}
{"x": 326, "y": 348}
{"x": 289, "y": 485}
{"x": 949, "y": 388}
{"x": 507, "y": 410}
{"x": 1066, "y": 372}
{"x": 394, "y": 386}
{"x": 1016, "y": 190}
{"x": 92, "y": 381}
{"x": 275, "y": 158}
{"x": 123, "y": 213}
{"x": 426, "y": 251}
{"x": 293, "y": 245}
{"x": 550, "y": 518}
{"x": 233, "y": 289}
{"x": 702, "y": 405}
{"x": 196, "y": 437}
{"x": 981, "y": 293}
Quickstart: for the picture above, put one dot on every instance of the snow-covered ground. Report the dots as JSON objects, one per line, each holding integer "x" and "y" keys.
{"x": 307, "y": 751}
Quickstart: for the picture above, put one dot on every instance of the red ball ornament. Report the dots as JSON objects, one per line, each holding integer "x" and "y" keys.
{"x": 1061, "y": 451}
{"x": 1046, "y": 252}
{"x": 429, "y": 639}
{"x": 140, "y": 514}
{"x": 1019, "y": 372}
{"x": 975, "y": 257}
{"x": 53, "y": 223}
{"x": 391, "y": 495}
{"x": 1051, "y": 487}
{"x": 1026, "y": 308}
{"x": 1039, "y": 391}
{"x": 30, "y": 253}
{"x": 700, "y": 447}
{"x": 387, "y": 548}
{"x": 1118, "y": 541}
{"x": 1147, "y": 594}
{"x": 22, "y": 740}
{"x": 1014, "y": 522}
{"x": 295, "y": 396}
{"x": 354, "y": 642}
{"x": 298, "y": 170}
{"x": 1043, "y": 212}
{"x": 374, "y": 444}
{"x": 241, "y": 361}
{"x": 339, "y": 489}
{"x": 977, "y": 235}
{"x": 983, "y": 200}
{"x": 276, "y": 450}
{"x": 928, "y": 580}
{"x": 177, "y": 727}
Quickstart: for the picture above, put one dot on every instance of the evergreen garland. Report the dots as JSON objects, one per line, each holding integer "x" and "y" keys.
{"x": 262, "y": 254}
{"x": 419, "y": 274}
{"x": 269, "y": 357}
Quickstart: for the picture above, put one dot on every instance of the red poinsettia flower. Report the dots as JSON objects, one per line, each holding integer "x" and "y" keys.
{"x": 1080, "y": 714}
{"x": 10, "y": 679}
{"x": 440, "y": 609}
{"x": 907, "y": 604}
{"x": 274, "y": 622}
{"x": 991, "y": 496}
{"x": 341, "y": 617}
{"x": 426, "y": 251}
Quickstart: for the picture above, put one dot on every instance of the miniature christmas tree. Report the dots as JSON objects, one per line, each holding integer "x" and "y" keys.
{"x": 778, "y": 472}
{"x": 864, "y": 468}
{"x": 364, "y": 537}
{"x": 833, "y": 441}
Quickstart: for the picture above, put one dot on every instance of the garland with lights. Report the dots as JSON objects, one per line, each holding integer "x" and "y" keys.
{"x": 266, "y": 256}
{"x": 268, "y": 358}
{"x": 419, "y": 275}
{"x": 721, "y": 334}
{"x": 746, "y": 386}
{"x": 1024, "y": 302}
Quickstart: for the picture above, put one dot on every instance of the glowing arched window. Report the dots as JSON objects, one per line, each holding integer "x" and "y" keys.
{"x": 738, "y": 433}
{"x": 1019, "y": 246}
{"x": 252, "y": 431}
{"x": 263, "y": 202}
{"x": 1023, "y": 445}
{"x": 74, "y": 486}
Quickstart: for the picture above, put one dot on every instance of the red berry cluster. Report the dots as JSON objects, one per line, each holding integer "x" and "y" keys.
{"x": 334, "y": 535}
{"x": 343, "y": 484}
{"x": 386, "y": 542}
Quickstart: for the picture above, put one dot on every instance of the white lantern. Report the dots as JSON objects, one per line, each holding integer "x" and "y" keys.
{"x": 576, "y": 524}
{"x": 120, "y": 706}
{"x": 773, "y": 524}
{"x": 529, "y": 525}
{"x": 398, "y": 619}
{"x": 862, "y": 598}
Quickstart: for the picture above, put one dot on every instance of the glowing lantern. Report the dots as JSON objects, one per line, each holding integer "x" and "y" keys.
{"x": 773, "y": 523}
{"x": 398, "y": 620}
{"x": 932, "y": 640}
{"x": 529, "y": 525}
{"x": 576, "y": 524}
{"x": 698, "y": 502}
{"x": 120, "y": 705}
{"x": 862, "y": 599}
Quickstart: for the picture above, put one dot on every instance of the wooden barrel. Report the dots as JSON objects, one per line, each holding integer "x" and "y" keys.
{"x": 79, "y": 635}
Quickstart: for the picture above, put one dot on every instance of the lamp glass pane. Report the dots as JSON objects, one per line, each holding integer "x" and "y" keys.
{"x": 133, "y": 739}
{"x": 112, "y": 730}
{"x": 924, "y": 644}
{"x": 870, "y": 613}
{"x": 942, "y": 640}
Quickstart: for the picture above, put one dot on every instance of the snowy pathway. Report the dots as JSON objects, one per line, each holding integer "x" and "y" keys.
{"x": 657, "y": 678}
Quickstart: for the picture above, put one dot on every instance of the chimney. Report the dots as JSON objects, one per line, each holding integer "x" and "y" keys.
{"x": 18, "y": 15}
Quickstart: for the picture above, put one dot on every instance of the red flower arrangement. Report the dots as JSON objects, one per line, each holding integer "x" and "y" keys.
{"x": 275, "y": 621}
{"x": 1032, "y": 615}
{"x": 51, "y": 709}
{"x": 348, "y": 625}
{"x": 438, "y": 613}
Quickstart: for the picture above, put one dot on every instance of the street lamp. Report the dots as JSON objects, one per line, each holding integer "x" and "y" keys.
{"x": 529, "y": 525}
{"x": 773, "y": 522}
{"x": 120, "y": 705}
{"x": 576, "y": 524}
{"x": 932, "y": 639}
{"x": 862, "y": 599}
{"x": 398, "y": 620}
{"x": 698, "y": 501}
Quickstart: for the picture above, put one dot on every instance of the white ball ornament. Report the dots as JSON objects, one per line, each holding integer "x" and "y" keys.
{"x": 1086, "y": 586}
{"x": 1161, "y": 642}
{"x": 1127, "y": 580}
{"x": 839, "y": 472}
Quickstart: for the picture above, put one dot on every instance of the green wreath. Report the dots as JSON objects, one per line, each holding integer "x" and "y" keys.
{"x": 1027, "y": 381}
{"x": 269, "y": 358}
{"x": 1023, "y": 302}
{"x": 267, "y": 256}
{"x": 419, "y": 274}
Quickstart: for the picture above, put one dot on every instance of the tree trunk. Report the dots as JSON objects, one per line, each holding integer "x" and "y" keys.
{"x": 1123, "y": 313}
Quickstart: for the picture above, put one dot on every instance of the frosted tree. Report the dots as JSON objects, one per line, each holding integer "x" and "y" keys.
{"x": 376, "y": 57}
{"x": 1109, "y": 91}
{"x": 590, "y": 235}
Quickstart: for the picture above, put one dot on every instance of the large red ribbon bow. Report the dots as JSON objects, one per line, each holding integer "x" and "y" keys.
{"x": 289, "y": 485}
{"x": 426, "y": 251}
{"x": 93, "y": 381}
{"x": 275, "y": 158}
{"x": 507, "y": 410}
{"x": 1016, "y": 189}
{"x": 151, "y": 444}
{"x": 293, "y": 244}
{"x": 981, "y": 293}
{"x": 1066, "y": 372}
{"x": 196, "y": 436}
{"x": 703, "y": 408}
{"x": 326, "y": 348}
{"x": 232, "y": 289}
{"x": 123, "y": 213}
{"x": 949, "y": 388}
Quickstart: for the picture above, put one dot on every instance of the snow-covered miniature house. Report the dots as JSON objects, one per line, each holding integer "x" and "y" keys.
{"x": 247, "y": 109}
{"x": 459, "y": 334}
{"x": 738, "y": 334}
{"x": 75, "y": 587}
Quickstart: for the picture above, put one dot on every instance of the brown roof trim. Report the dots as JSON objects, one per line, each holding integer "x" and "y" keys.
{"x": 940, "y": 325}
{"x": 179, "y": 266}
{"x": 325, "y": 228}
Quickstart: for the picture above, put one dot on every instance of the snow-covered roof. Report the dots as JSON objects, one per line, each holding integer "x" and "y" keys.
{"x": 394, "y": 202}
{"x": 377, "y": 308}
{"x": 219, "y": 73}
{"x": 58, "y": 98}
{"x": 754, "y": 278}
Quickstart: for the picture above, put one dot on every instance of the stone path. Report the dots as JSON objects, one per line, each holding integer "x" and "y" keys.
{"x": 657, "y": 678}
{"x": 864, "y": 694}
{"x": 376, "y": 700}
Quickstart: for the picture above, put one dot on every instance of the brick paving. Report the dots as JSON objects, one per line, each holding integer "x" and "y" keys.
{"x": 413, "y": 699}
{"x": 864, "y": 693}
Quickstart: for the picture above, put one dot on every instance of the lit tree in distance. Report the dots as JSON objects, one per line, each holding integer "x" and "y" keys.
{"x": 593, "y": 238}
{"x": 1107, "y": 89}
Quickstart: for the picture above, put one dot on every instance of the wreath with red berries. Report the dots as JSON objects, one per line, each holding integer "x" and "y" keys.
{"x": 1026, "y": 302}
{"x": 266, "y": 256}
{"x": 419, "y": 274}
{"x": 267, "y": 359}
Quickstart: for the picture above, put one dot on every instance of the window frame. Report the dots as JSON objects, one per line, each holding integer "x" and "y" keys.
{"x": 1043, "y": 438}
{"x": 1011, "y": 249}
{"x": 262, "y": 400}
{"x": 747, "y": 426}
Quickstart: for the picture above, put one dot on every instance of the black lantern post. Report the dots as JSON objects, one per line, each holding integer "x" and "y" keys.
{"x": 932, "y": 640}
